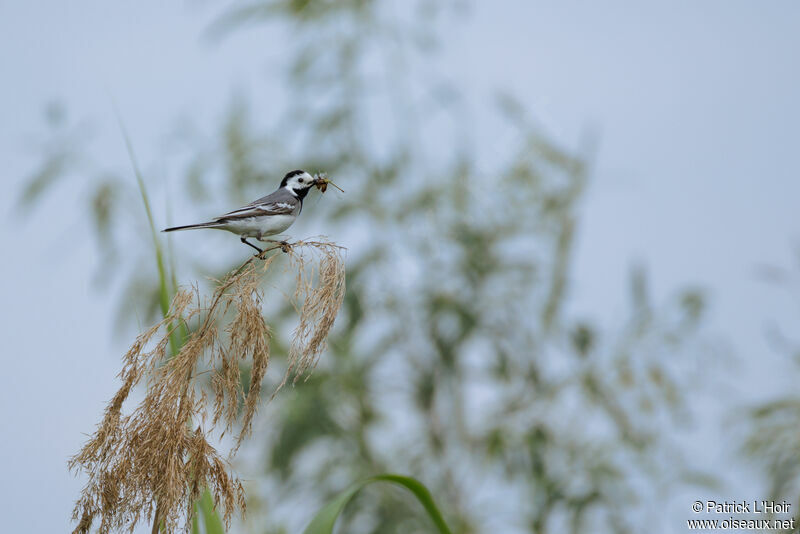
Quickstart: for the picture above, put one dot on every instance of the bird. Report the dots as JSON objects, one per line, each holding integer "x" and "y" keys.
{"x": 267, "y": 216}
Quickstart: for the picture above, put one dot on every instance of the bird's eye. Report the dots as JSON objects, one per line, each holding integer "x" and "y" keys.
{"x": 300, "y": 180}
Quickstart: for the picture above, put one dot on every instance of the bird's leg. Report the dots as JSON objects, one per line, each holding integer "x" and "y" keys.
{"x": 246, "y": 242}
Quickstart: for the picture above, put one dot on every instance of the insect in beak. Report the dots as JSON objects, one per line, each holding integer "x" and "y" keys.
{"x": 321, "y": 182}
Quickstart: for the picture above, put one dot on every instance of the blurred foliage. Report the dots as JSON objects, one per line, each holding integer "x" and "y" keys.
{"x": 771, "y": 442}
{"x": 456, "y": 359}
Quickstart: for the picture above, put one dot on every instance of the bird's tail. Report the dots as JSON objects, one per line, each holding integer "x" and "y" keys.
{"x": 192, "y": 227}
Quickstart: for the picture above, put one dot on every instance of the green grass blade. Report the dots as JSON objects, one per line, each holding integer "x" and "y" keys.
{"x": 162, "y": 272}
{"x": 213, "y": 524}
{"x": 325, "y": 519}
{"x": 164, "y": 293}
{"x": 195, "y": 523}
{"x": 211, "y": 521}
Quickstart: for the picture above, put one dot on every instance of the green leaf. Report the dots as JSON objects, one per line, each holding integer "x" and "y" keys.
{"x": 211, "y": 521}
{"x": 195, "y": 524}
{"x": 325, "y": 519}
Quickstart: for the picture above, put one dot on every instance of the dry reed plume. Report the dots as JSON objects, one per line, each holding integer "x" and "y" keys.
{"x": 153, "y": 463}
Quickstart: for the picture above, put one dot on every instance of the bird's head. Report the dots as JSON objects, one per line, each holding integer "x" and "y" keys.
{"x": 299, "y": 183}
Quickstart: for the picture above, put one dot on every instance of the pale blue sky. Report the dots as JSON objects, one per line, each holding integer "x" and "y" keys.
{"x": 696, "y": 176}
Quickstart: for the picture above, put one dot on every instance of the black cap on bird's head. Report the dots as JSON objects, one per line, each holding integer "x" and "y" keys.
{"x": 298, "y": 182}
{"x": 289, "y": 175}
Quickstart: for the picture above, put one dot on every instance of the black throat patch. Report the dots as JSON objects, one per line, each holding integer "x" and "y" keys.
{"x": 301, "y": 194}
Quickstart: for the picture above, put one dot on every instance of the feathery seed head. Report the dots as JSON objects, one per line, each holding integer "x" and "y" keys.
{"x": 154, "y": 463}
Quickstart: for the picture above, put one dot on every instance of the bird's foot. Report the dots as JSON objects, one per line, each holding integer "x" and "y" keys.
{"x": 285, "y": 246}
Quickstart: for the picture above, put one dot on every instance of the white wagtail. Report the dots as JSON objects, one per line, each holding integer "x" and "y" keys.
{"x": 269, "y": 215}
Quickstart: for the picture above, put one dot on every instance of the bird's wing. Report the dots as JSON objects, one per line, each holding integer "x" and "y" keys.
{"x": 273, "y": 204}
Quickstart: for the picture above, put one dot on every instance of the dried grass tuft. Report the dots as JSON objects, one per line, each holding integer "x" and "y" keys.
{"x": 319, "y": 303}
{"x": 153, "y": 464}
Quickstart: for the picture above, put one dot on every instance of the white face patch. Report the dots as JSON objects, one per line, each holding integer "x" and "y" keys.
{"x": 300, "y": 181}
